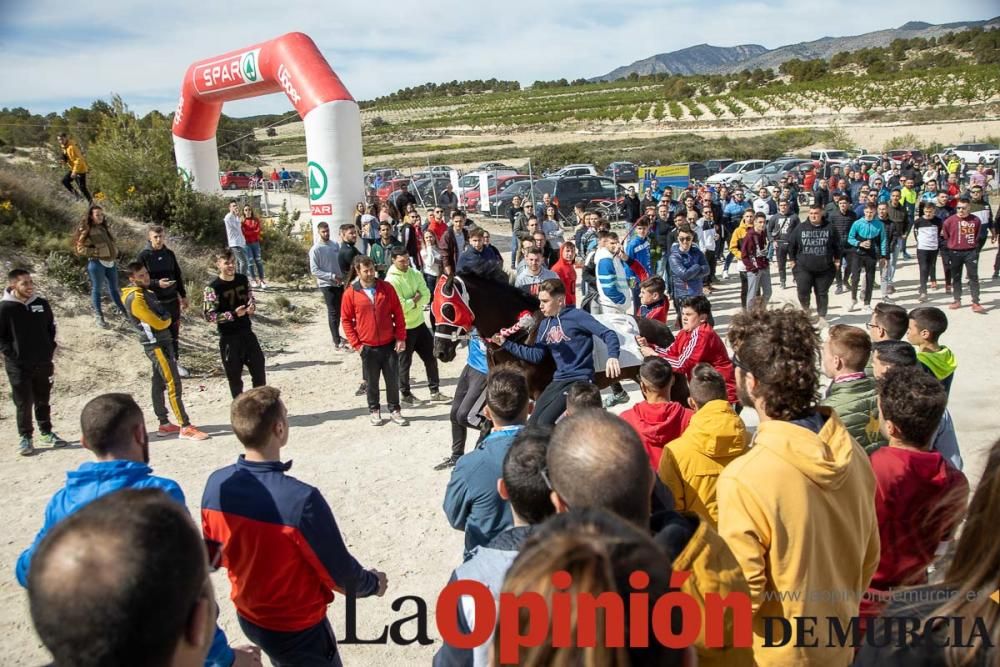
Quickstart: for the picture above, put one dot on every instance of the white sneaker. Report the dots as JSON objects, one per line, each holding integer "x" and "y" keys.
{"x": 183, "y": 372}
{"x": 867, "y": 310}
{"x": 725, "y": 275}
{"x": 397, "y": 418}
{"x": 375, "y": 418}
{"x": 854, "y": 306}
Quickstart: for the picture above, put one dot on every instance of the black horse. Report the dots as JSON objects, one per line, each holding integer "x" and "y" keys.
{"x": 497, "y": 305}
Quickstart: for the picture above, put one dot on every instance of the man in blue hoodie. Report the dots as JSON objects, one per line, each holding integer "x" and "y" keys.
{"x": 472, "y": 500}
{"x": 566, "y": 333}
{"x": 113, "y": 429}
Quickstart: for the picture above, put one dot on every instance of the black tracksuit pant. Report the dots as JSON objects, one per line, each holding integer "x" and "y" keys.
{"x": 31, "y": 385}
{"x": 238, "y": 351}
{"x": 470, "y": 395}
{"x": 781, "y": 255}
{"x": 382, "y": 362}
{"x": 419, "y": 340}
{"x": 81, "y": 182}
{"x": 968, "y": 260}
{"x": 332, "y": 296}
{"x": 174, "y": 309}
{"x": 551, "y": 404}
{"x": 868, "y": 262}
{"x": 808, "y": 283}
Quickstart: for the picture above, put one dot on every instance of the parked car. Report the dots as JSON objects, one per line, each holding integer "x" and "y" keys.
{"x": 717, "y": 165}
{"x": 235, "y": 180}
{"x": 426, "y": 190}
{"x": 830, "y": 156}
{"x": 696, "y": 170}
{"x": 494, "y": 166}
{"x": 470, "y": 181}
{"x": 868, "y": 160}
{"x": 772, "y": 172}
{"x": 595, "y": 191}
{"x": 391, "y": 186}
{"x": 975, "y": 153}
{"x": 298, "y": 178}
{"x": 735, "y": 171}
{"x": 439, "y": 169}
{"x": 470, "y": 199}
{"x": 500, "y": 202}
{"x": 898, "y": 154}
{"x": 622, "y": 171}
{"x": 386, "y": 173}
{"x": 573, "y": 170}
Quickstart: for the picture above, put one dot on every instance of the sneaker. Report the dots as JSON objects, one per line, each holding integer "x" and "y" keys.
{"x": 263, "y": 285}
{"x": 976, "y": 308}
{"x": 867, "y": 310}
{"x": 783, "y": 286}
{"x": 52, "y": 439}
{"x": 167, "y": 429}
{"x": 447, "y": 463}
{"x": 102, "y": 323}
{"x": 25, "y": 448}
{"x": 853, "y": 307}
{"x": 892, "y": 288}
{"x": 183, "y": 372}
{"x": 396, "y": 417}
{"x": 439, "y": 397}
{"x": 839, "y": 290}
{"x": 947, "y": 287}
{"x": 955, "y": 305}
{"x": 616, "y": 399}
{"x": 725, "y": 275}
{"x": 362, "y": 389}
{"x": 410, "y": 399}
{"x": 907, "y": 256}
{"x": 922, "y": 297}
{"x": 934, "y": 284}
{"x": 375, "y": 418}
{"x": 191, "y": 433}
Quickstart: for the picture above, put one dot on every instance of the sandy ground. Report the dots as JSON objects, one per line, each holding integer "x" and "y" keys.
{"x": 380, "y": 482}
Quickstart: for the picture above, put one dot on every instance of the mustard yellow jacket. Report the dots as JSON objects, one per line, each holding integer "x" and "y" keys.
{"x": 74, "y": 156}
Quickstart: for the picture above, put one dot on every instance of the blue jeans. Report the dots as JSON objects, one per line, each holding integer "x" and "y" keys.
{"x": 240, "y": 255}
{"x": 889, "y": 272}
{"x": 100, "y": 274}
{"x": 254, "y": 263}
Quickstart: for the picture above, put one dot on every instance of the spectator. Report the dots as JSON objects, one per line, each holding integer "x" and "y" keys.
{"x": 735, "y": 252}
{"x": 961, "y": 597}
{"x": 841, "y": 218}
{"x": 157, "y": 609}
{"x": 551, "y": 227}
{"x": 381, "y": 249}
{"x": 452, "y": 243}
{"x": 715, "y": 435}
{"x": 324, "y": 264}
{"x": 919, "y": 497}
{"x": 522, "y": 486}
{"x": 888, "y": 322}
{"x": 601, "y": 557}
{"x": 73, "y": 158}
{"x": 256, "y": 517}
{"x": 926, "y": 326}
{"x": 94, "y": 241}
{"x": 348, "y": 250}
{"x": 780, "y": 227}
{"x": 476, "y": 258}
{"x": 568, "y": 335}
{"x": 472, "y": 501}
{"x": 582, "y": 396}
{"x": 656, "y": 418}
{"x": 375, "y": 326}
{"x": 851, "y": 393}
{"x": 753, "y": 251}
{"x": 167, "y": 283}
{"x": 470, "y": 396}
{"x": 229, "y": 303}
{"x": 275, "y": 178}
{"x": 113, "y": 430}
{"x": 28, "y": 343}
{"x": 250, "y": 226}
{"x": 430, "y": 263}
{"x": 234, "y": 237}
{"x": 436, "y": 224}
{"x": 152, "y": 322}
{"x": 631, "y": 206}
{"x": 596, "y": 461}
{"x": 927, "y": 229}
{"x": 637, "y": 249}
{"x": 565, "y": 269}
{"x": 871, "y": 245}
{"x": 286, "y": 179}
{"x": 413, "y": 295}
{"x": 534, "y": 273}
{"x": 695, "y": 343}
{"x": 815, "y": 250}
{"x": 961, "y": 233}
{"x": 447, "y": 200}
{"x": 614, "y": 295}
{"x": 709, "y": 238}
{"x": 816, "y": 529}
{"x": 653, "y": 302}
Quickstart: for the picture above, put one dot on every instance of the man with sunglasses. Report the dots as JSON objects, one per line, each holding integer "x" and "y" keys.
{"x": 960, "y": 233}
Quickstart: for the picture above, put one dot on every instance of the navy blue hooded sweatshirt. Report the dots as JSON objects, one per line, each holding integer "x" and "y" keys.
{"x": 569, "y": 337}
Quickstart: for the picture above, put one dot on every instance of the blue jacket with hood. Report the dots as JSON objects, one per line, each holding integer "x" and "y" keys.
{"x": 93, "y": 480}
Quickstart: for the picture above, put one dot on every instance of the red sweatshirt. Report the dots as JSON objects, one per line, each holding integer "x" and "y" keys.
{"x": 691, "y": 348}
{"x": 657, "y": 424}
{"x": 567, "y": 274}
{"x": 961, "y": 233}
{"x": 370, "y": 323}
{"x": 251, "y": 229}
{"x": 919, "y": 500}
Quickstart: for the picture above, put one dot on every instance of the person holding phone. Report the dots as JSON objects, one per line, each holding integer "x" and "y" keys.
{"x": 166, "y": 282}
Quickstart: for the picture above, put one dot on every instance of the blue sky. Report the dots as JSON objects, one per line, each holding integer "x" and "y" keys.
{"x": 56, "y": 55}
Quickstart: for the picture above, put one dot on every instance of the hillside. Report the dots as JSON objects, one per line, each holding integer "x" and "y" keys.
{"x": 707, "y": 59}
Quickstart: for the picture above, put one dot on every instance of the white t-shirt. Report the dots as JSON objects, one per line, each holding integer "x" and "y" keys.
{"x": 234, "y": 231}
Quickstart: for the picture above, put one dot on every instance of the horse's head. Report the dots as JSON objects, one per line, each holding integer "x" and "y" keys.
{"x": 453, "y": 316}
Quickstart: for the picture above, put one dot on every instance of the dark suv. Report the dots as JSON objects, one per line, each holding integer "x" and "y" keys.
{"x": 622, "y": 171}
{"x": 715, "y": 166}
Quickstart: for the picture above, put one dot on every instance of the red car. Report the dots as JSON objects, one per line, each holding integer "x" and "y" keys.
{"x": 471, "y": 198}
{"x": 388, "y": 187}
{"x": 235, "y": 180}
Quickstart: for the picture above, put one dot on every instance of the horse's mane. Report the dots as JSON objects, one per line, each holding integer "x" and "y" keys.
{"x": 501, "y": 290}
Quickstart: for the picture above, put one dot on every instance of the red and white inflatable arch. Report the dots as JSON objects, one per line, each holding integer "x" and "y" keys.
{"x": 291, "y": 64}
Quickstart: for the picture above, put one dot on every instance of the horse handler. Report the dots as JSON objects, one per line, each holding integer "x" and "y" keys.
{"x": 567, "y": 333}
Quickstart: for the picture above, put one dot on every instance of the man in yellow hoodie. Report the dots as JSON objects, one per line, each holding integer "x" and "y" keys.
{"x": 73, "y": 157}
{"x": 596, "y": 459}
{"x": 798, "y": 509}
{"x": 152, "y": 321}
{"x": 691, "y": 464}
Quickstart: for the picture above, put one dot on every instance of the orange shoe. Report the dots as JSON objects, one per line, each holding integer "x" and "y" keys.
{"x": 976, "y": 308}
{"x": 191, "y": 433}
{"x": 167, "y": 429}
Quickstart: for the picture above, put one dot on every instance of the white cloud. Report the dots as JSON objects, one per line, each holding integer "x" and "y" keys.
{"x": 141, "y": 50}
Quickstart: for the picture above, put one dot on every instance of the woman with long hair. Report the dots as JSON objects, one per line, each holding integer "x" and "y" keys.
{"x": 359, "y": 211}
{"x": 964, "y": 596}
{"x": 250, "y": 225}
{"x": 552, "y": 227}
{"x": 94, "y": 241}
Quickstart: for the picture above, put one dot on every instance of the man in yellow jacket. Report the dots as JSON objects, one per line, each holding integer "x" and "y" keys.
{"x": 691, "y": 464}
{"x": 798, "y": 509}
{"x": 73, "y": 157}
{"x": 152, "y": 321}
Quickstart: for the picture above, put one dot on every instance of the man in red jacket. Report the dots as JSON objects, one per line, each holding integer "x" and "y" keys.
{"x": 373, "y": 322}
{"x": 695, "y": 343}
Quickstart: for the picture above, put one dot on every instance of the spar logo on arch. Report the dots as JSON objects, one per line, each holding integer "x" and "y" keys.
{"x": 318, "y": 181}
{"x": 240, "y": 69}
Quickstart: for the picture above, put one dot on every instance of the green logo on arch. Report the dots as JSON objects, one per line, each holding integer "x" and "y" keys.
{"x": 317, "y": 181}
{"x": 248, "y": 66}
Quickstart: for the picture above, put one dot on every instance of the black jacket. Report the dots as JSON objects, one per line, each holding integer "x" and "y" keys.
{"x": 842, "y": 223}
{"x": 813, "y": 248}
{"x": 163, "y": 263}
{"x": 27, "y": 330}
{"x": 345, "y": 257}
{"x": 780, "y": 227}
{"x": 631, "y": 208}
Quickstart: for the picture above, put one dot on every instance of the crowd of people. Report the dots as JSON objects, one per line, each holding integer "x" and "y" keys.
{"x": 833, "y": 506}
